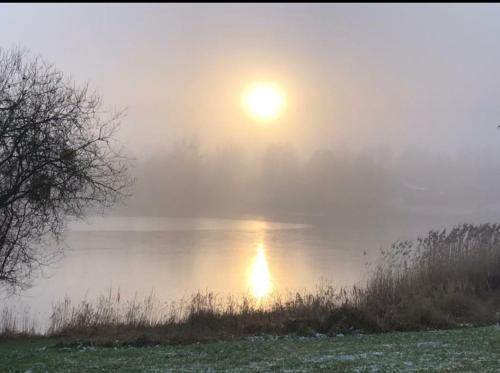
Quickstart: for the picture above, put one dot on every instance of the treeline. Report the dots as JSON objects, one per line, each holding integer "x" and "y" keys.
{"x": 278, "y": 182}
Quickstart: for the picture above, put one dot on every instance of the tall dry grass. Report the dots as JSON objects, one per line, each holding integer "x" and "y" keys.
{"x": 202, "y": 317}
{"x": 14, "y": 324}
{"x": 447, "y": 278}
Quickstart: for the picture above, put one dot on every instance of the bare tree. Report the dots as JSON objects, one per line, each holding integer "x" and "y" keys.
{"x": 57, "y": 159}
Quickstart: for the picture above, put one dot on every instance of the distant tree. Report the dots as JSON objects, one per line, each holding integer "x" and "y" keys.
{"x": 57, "y": 159}
{"x": 281, "y": 179}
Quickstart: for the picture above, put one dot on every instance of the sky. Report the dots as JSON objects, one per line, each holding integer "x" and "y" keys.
{"x": 356, "y": 76}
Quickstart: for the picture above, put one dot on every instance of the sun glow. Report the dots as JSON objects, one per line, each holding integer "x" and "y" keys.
{"x": 260, "y": 278}
{"x": 264, "y": 102}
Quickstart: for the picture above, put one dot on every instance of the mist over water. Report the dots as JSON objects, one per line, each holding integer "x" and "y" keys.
{"x": 338, "y": 191}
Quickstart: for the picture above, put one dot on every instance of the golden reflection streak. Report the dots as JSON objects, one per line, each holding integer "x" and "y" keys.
{"x": 260, "y": 277}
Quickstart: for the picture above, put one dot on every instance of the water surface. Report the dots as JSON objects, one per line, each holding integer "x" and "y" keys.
{"x": 175, "y": 257}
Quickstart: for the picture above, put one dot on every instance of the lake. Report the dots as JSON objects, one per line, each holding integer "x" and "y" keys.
{"x": 175, "y": 257}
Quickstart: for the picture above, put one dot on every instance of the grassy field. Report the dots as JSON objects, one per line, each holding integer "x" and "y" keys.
{"x": 468, "y": 349}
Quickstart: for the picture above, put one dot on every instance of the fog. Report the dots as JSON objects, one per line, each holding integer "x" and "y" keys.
{"x": 343, "y": 190}
{"x": 392, "y": 110}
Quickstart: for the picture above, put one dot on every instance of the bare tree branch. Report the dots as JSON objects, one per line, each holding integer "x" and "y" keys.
{"x": 57, "y": 158}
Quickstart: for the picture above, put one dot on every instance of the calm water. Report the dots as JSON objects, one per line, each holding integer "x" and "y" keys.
{"x": 175, "y": 257}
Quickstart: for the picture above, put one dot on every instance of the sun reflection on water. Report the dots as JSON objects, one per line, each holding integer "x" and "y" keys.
{"x": 260, "y": 277}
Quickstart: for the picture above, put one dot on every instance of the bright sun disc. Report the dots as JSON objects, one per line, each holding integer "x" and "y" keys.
{"x": 264, "y": 101}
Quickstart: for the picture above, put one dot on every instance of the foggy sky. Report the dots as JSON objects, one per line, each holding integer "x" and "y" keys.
{"x": 356, "y": 76}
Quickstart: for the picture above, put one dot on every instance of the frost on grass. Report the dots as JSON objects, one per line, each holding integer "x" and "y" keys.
{"x": 474, "y": 349}
{"x": 346, "y": 357}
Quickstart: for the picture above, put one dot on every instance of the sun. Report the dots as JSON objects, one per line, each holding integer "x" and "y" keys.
{"x": 264, "y": 101}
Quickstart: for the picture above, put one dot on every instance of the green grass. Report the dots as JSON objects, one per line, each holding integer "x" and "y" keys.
{"x": 469, "y": 349}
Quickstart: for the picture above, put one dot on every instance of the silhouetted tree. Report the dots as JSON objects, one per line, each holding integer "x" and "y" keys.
{"x": 57, "y": 159}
